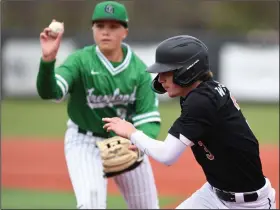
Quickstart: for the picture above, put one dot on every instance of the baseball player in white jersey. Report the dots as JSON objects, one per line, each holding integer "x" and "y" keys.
{"x": 106, "y": 79}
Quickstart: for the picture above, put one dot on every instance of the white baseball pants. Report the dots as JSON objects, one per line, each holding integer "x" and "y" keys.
{"x": 86, "y": 175}
{"x": 205, "y": 198}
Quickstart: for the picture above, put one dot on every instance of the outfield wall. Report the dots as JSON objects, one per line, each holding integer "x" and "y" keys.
{"x": 250, "y": 70}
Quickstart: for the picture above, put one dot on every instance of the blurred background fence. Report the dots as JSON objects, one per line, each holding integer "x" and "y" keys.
{"x": 243, "y": 42}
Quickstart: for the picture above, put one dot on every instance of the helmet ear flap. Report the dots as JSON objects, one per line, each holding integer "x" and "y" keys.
{"x": 157, "y": 86}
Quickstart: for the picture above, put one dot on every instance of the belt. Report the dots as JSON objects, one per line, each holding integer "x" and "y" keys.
{"x": 80, "y": 130}
{"x": 231, "y": 197}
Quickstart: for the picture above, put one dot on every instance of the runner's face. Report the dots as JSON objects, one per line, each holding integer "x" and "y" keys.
{"x": 166, "y": 79}
{"x": 174, "y": 90}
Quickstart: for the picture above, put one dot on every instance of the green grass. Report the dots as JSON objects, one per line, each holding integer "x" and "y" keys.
{"x": 263, "y": 120}
{"x": 45, "y": 118}
{"x": 33, "y": 118}
{"x": 26, "y": 199}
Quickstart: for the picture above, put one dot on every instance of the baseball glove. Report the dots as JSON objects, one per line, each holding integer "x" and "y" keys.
{"x": 116, "y": 157}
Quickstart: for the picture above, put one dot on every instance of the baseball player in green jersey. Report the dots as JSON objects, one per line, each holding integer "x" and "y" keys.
{"x": 106, "y": 79}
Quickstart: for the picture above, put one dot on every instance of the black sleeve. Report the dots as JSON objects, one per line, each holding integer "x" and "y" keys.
{"x": 197, "y": 117}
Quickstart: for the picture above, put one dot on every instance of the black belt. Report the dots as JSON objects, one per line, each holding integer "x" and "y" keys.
{"x": 230, "y": 197}
{"x": 101, "y": 135}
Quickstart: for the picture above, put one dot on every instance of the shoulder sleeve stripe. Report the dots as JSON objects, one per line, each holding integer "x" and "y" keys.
{"x": 142, "y": 116}
{"x": 63, "y": 92}
{"x": 151, "y": 119}
{"x": 63, "y": 81}
{"x": 61, "y": 87}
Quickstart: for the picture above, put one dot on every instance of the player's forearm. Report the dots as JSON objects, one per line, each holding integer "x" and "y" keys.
{"x": 166, "y": 152}
{"x": 46, "y": 82}
{"x": 151, "y": 129}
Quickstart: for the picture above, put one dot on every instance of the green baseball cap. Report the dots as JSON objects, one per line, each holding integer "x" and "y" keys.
{"x": 110, "y": 10}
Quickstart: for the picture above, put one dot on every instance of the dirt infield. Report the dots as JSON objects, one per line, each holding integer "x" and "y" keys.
{"x": 31, "y": 164}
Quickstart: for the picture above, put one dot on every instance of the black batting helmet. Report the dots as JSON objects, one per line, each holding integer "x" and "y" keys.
{"x": 187, "y": 56}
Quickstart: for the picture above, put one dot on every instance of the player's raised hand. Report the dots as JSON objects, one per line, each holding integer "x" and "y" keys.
{"x": 50, "y": 39}
{"x": 119, "y": 126}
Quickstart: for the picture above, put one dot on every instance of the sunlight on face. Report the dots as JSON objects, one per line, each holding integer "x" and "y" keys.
{"x": 108, "y": 35}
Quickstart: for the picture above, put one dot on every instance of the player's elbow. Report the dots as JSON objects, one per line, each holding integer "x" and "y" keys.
{"x": 168, "y": 159}
{"x": 165, "y": 155}
{"x": 43, "y": 95}
{"x": 168, "y": 162}
{"x": 47, "y": 94}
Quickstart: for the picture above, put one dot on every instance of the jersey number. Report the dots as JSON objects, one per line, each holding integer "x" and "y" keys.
{"x": 121, "y": 112}
{"x": 209, "y": 155}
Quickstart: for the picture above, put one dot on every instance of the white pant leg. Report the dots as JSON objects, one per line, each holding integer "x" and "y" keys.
{"x": 204, "y": 198}
{"x": 85, "y": 170}
{"x": 138, "y": 187}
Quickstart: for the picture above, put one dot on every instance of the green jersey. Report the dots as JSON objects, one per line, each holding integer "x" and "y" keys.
{"x": 97, "y": 89}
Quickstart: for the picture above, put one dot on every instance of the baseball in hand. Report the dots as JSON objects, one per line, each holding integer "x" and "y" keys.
{"x": 55, "y": 27}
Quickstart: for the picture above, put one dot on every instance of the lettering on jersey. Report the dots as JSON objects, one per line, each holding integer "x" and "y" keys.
{"x": 193, "y": 64}
{"x": 209, "y": 155}
{"x": 221, "y": 89}
{"x": 101, "y": 101}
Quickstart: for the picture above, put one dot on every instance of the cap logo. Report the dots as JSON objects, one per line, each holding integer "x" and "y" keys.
{"x": 109, "y": 9}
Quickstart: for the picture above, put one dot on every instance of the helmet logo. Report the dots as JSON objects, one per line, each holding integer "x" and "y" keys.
{"x": 193, "y": 64}
{"x": 109, "y": 9}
